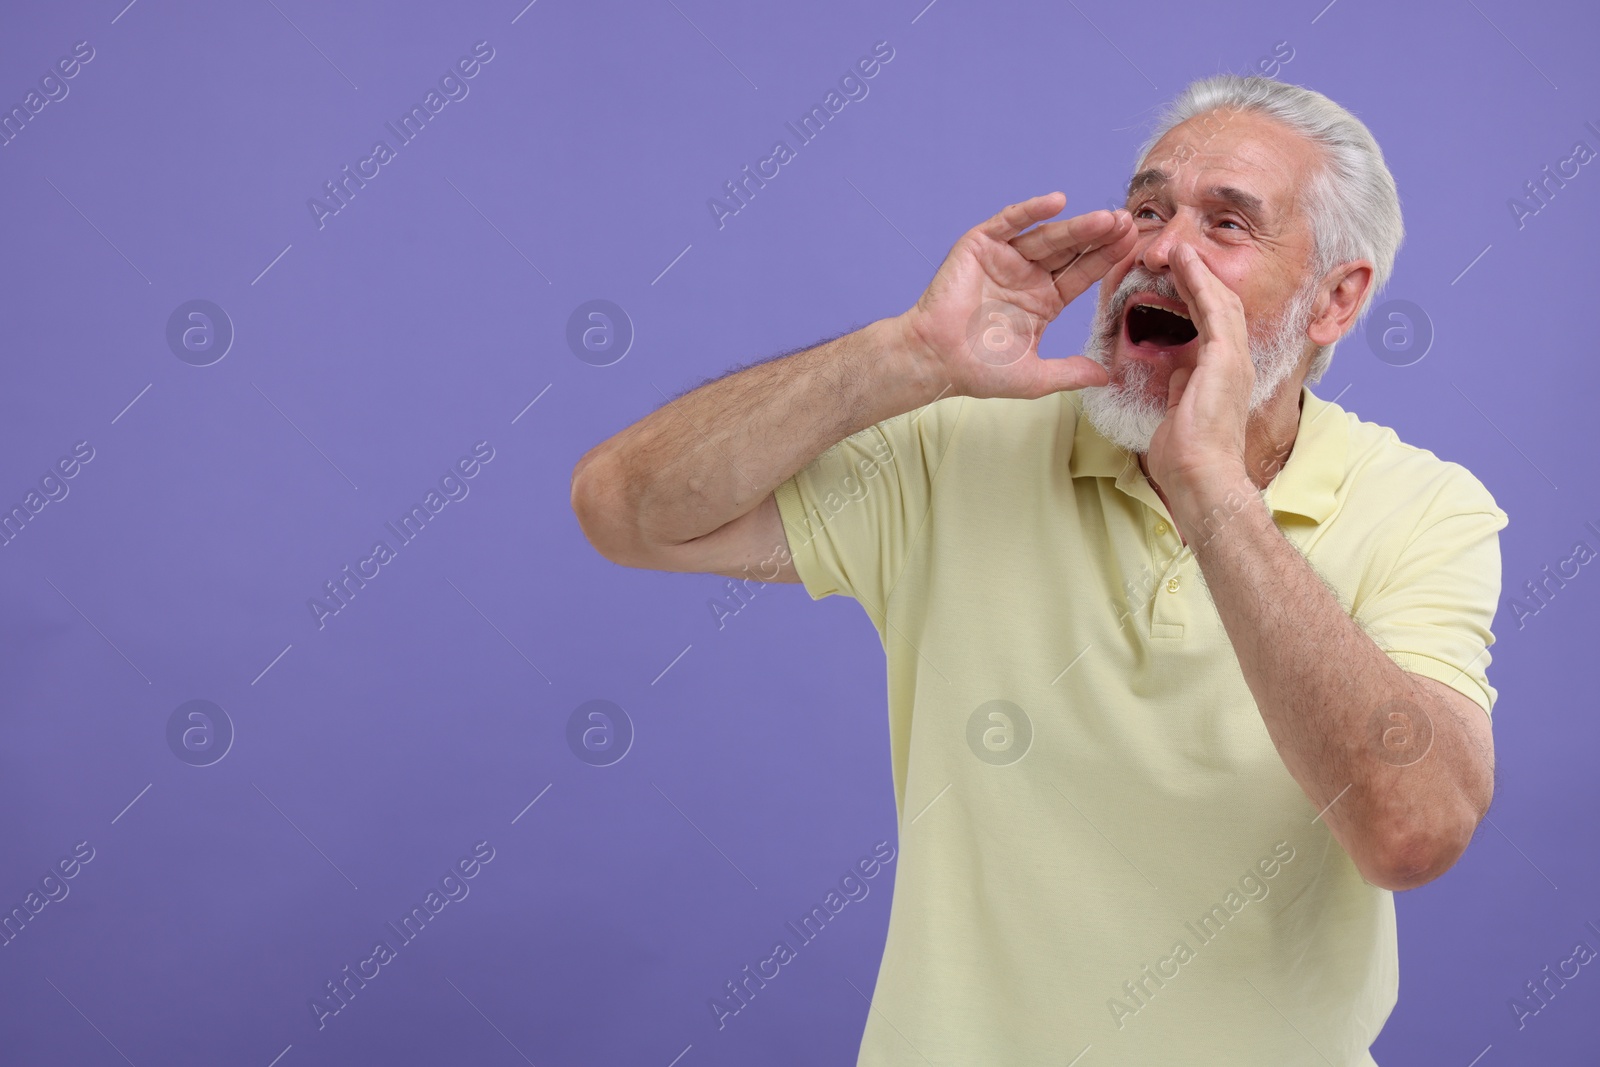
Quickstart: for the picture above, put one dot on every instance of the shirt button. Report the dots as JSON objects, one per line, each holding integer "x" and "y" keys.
{"x": 1172, "y": 585}
{"x": 1161, "y": 526}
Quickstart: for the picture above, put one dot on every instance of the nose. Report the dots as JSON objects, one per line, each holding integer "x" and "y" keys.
{"x": 1156, "y": 253}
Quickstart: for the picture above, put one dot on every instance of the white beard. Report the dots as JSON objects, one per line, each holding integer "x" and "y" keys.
{"x": 1127, "y": 414}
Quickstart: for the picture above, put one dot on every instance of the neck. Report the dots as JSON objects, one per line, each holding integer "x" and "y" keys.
{"x": 1270, "y": 438}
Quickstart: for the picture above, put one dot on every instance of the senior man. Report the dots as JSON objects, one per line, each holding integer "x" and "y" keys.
{"x": 1186, "y": 664}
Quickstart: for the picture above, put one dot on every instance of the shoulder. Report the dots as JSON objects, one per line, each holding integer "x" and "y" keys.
{"x": 1392, "y": 476}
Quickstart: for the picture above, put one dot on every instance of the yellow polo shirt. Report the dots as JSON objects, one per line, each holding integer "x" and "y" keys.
{"x": 1100, "y": 848}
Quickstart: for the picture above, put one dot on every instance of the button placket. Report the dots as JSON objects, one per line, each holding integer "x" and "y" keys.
{"x": 1167, "y": 616}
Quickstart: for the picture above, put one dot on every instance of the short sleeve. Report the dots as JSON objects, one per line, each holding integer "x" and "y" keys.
{"x": 1433, "y": 613}
{"x": 853, "y": 514}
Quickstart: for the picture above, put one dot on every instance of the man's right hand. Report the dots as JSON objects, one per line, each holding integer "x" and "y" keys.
{"x": 691, "y": 486}
{"x": 979, "y": 322}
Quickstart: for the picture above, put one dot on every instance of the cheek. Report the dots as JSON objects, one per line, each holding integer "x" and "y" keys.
{"x": 1242, "y": 273}
{"x": 1112, "y": 281}
{"x": 1110, "y": 325}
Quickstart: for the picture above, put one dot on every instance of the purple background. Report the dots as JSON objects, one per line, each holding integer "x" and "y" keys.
{"x": 372, "y": 352}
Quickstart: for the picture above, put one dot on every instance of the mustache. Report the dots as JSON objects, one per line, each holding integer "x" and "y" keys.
{"x": 1138, "y": 279}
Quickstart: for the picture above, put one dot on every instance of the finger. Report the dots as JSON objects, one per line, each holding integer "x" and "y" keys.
{"x": 1074, "y": 372}
{"x": 1185, "y": 277}
{"x": 1084, "y": 270}
{"x": 1215, "y": 307}
{"x": 1218, "y": 316}
{"x": 1176, "y": 383}
{"x": 1056, "y": 262}
{"x": 1015, "y": 218}
{"x": 1062, "y": 240}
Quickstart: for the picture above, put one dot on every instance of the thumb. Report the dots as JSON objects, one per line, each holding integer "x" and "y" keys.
{"x": 1074, "y": 372}
{"x": 1175, "y": 386}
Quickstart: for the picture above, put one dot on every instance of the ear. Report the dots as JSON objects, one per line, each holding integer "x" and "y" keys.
{"x": 1337, "y": 303}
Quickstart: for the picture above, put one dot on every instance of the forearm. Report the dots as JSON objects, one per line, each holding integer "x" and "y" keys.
{"x": 707, "y": 457}
{"x": 1327, "y": 695}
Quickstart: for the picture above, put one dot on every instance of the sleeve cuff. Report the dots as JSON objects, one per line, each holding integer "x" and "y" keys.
{"x": 1449, "y": 674}
{"x": 802, "y": 549}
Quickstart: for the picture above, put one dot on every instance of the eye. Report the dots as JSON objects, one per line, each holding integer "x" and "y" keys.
{"x": 1140, "y": 211}
{"x": 1233, "y": 222}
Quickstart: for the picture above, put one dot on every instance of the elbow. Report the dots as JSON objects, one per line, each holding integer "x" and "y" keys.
{"x": 1407, "y": 871}
{"x": 594, "y": 492}
{"x": 1413, "y": 856}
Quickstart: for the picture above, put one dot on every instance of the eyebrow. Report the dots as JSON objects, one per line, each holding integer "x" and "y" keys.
{"x": 1247, "y": 203}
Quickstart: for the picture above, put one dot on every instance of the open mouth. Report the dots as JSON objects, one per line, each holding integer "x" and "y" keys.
{"x": 1154, "y": 327}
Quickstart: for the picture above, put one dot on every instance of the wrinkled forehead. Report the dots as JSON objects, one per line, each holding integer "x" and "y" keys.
{"x": 1242, "y": 158}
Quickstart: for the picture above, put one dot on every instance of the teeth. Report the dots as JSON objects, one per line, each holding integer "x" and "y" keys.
{"x": 1158, "y": 307}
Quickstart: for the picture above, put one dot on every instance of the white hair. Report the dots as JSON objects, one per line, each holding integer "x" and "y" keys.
{"x": 1351, "y": 200}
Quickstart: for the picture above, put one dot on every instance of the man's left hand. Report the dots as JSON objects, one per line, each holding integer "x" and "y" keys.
{"x": 1200, "y": 447}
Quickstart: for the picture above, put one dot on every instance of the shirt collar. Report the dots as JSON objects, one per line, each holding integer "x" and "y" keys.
{"x": 1304, "y": 486}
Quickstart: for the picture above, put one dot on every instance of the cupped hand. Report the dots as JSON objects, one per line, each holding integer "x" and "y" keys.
{"x": 1202, "y": 439}
{"x": 980, "y": 319}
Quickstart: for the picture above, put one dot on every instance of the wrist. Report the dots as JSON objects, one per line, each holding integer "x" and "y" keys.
{"x": 915, "y": 361}
{"x": 1208, "y": 501}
